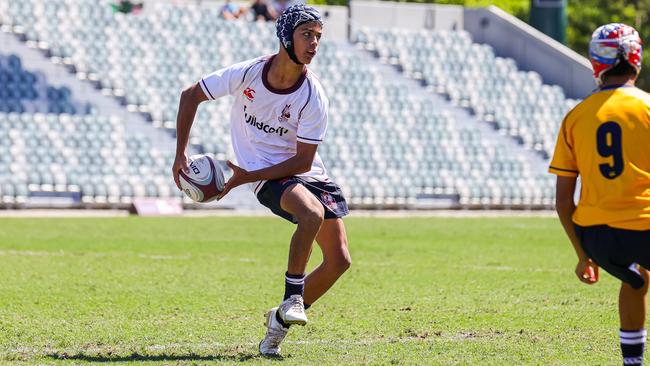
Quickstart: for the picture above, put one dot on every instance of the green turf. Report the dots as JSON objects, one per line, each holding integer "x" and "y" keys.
{"x": 421, "y": 291}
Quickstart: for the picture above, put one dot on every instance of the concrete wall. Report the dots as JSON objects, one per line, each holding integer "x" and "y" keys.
{"x": 335, "y": 27}
{"x": 533, "y": 50}
{"x": 406, "y": 15}
{"x": 336, "y": 17}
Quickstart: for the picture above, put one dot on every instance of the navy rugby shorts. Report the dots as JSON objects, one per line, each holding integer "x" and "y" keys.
{"x": 328, "y": 193}
{"x": 617, "y": 251}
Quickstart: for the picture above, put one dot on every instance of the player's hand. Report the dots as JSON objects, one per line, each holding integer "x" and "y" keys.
{"x": 239, "y": 177}
{"x": 180, "y": 163}
{"x": 587, "y": 271}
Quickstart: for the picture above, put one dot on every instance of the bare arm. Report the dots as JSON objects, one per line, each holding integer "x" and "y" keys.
{"x": 297, "y": 164}
{"x": 190, "y": 100}
{"x": 564, "y": 205}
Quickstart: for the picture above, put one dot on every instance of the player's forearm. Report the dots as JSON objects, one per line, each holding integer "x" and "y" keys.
{"x": 292, "y": 166}
{"x": 565, "y": 209}
{"x": 184, "y": 120}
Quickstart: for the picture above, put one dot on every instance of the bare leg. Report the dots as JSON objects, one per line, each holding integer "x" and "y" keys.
{"x": 333, "y": 242}
{"x": 632, "y": 304}
{"x": 298, "y": 201}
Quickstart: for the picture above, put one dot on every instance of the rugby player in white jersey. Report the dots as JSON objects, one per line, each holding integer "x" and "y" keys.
{"x": 278, "y": 118}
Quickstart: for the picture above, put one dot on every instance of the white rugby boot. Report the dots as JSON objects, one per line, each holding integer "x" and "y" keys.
{"x": 292, "y": 311}
{"x": 275, "y": 333}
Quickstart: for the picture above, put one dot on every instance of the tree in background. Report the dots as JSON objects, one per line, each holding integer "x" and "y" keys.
{"x": 586, "y": 15}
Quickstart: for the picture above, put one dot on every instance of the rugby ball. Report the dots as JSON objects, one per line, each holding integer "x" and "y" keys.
{"x": 204, "y": 181}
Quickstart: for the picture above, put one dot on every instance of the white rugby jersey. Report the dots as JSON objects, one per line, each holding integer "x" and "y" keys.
{"x": 265, "y": 123}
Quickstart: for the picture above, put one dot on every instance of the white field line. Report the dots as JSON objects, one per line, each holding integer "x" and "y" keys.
{"x": 451, "y": 213}
{"x": 464, "y": 267}
{"x": 260, "y": 212}
{"x": 157, "y": 257}
{"x": 165, "y": 257}
{"x": 61, "y": 253}
{"x": 160, "y": 257}
{"x": 31, "y": 253}
{"x": 513, "y": 269}
{"x": 45, "y": 213}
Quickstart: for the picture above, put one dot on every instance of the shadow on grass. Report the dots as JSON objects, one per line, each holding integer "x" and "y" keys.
{"x": 242, "y": 357}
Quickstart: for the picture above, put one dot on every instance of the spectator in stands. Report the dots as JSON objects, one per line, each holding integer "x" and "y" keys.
{"x": 126, "y": 7}
{"x": 604, "y": 140}
{"x": 279, "y": 117}
{"x": 279, "y": 6}
{"x": 262, "y": 11}
{"x": 231, "y": 11}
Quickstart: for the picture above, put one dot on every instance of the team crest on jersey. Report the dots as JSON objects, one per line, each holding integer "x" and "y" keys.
{"x": 249, "y": 93}
{"x": 328, "y": 201}
{"x": 286, "y": 114}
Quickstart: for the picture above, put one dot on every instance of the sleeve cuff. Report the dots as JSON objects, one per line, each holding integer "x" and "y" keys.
{"x": 563, "y": 172}
{"x": 308, "y": 140}
{"x": 205, "y": 89}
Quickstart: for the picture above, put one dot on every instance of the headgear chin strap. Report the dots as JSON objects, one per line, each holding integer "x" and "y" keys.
{"x": 291, "y": 19}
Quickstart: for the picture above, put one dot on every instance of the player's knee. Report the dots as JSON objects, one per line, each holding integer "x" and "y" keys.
{"x": 312, "y": 217}
{"x": 345, "y": 263}
{"x": 643, "y": 290}
{"x": 341, "y": 266}
{"x": 342, "y": 261}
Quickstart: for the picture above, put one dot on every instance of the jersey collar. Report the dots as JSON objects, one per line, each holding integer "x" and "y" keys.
{"x": 267, "y": 85}
{"x": 616, "y": 86}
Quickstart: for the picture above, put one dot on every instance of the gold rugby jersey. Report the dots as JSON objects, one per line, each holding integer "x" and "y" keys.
{"x": 606, "y": 140}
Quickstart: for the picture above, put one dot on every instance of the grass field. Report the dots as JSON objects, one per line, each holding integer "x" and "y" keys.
{"x": 421, "y": 291}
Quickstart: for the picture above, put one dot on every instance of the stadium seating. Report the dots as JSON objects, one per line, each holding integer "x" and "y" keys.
{"x": 394, "y": 146}
{"x": 25, "y": 91}
{"x": 386, "y": 146}
{"x": 515, "y": 102}
{"x": 89, "y": 154}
